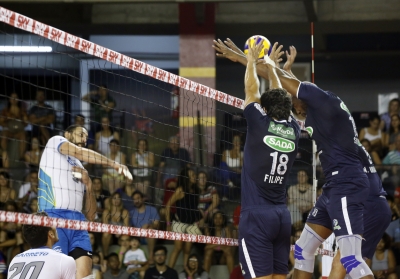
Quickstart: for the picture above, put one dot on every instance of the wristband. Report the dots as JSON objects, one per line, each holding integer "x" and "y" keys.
{"x": 269, "y": 60}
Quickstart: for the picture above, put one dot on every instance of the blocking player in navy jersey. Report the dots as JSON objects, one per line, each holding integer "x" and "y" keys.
{"x": 269, "y": 153}
{"x": 329, "y": 123}
{"x": 377, "y": 213}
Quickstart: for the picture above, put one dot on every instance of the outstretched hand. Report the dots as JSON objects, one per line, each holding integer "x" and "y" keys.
{"x": 290, "y": 56}
{"x": 234, "y": 47}
{"x": 276, "y": 54}
{"x": 254, "y": 51}
{"x": 224, "y": 51}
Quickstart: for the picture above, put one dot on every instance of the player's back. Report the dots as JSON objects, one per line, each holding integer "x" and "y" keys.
{"x": 269, "y": 153}
{"x": 57, "y": 187}
{"x": 331, "y": 125}
{"x": 42, "y": 263}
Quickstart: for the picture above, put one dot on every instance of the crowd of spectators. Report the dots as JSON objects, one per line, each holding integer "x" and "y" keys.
{"x": 168, "y": 191}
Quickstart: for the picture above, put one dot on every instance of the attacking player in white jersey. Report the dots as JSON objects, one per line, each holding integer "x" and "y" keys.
{"x": 41, "y": 262}
{"x": 64, "y": 186}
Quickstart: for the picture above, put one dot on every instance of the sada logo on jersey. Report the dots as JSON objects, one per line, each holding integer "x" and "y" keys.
{"x": 281, "y": 130}
{"x": 279, "y": 144}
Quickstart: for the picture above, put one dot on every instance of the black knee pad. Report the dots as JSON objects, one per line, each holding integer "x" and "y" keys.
{"x": 79, "y": 252}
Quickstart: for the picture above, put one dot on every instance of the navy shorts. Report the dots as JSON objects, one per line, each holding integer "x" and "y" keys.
{"x": 264, "y": 240}
{"x": 341, "y": 206}
{"x": 70, "y": 239}
{"x": 377, "y": 217}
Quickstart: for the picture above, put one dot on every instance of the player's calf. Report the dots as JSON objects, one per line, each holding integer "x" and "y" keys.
{"x": 350, "y": 256}
{"x": 304, "y": 249}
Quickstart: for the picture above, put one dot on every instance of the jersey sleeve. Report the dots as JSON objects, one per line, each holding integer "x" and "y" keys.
{"x": 311, "y": 94}
{"x": 56, "y": 142}
{"x": 68, "y": 268}
{"x": 255, "y": 115}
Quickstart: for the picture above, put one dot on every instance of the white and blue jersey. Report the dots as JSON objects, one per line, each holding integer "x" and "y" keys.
{"x": 331, "y": 125}
{"x": 58, "y": 189}
{"x": 269, "y": 153}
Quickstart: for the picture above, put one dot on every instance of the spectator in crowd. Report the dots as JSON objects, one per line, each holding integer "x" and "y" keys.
{"x": 383, "y": 262}
{"x": 193, "y": 269}
{"x": 8, "y": 230}
{"x": 393, "y": 159}
{"x": 393, "y": 205}
{"x": 126, "y": 194}
{"x": 145, "y": 217}
{"x": 33, "y": 205}
{"x": 101, "y": 196}
{"x": 104, "y": 137}
{"x": 160, "y": 270}
{"x": 6, "y": 192}
{"x": 374, "y": 134}
{"x": 300, "y": 198}
{"x": 142, "y": 161}
{"x": 393, "y": 109}
{"x": 374, "y": 155}
{"x": 208, "y": 198}
{"x": 231, "y": 167}
{"x": 97, "y": 267}
{"x": 394, "y": 130}
{"x": 187, "y": 217}
{"x": 173, "y": 159}
{"x": 135, "y": 260}
{"x": 114, "y": 270}
{"x": 28, "y": 191}
{"x": 170, "y": 186}
{"x": 14, "y": 119}
{"x": 116, "y": 215}
{"x": 219, "y": 228}
{"x": 124, "y": 245}
{"x": 32, "y": 156}
{"x": 42, "y": 117}
{"x": 111, "y": 177}
{"x": 101, "y": 104}
{"x": 96, "y": 248}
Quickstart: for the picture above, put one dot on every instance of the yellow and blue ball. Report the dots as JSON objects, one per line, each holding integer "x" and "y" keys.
{"x": 266, "y": 50}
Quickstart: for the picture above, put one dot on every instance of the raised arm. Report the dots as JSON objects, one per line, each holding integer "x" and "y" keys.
{"x": 251, "y": 82}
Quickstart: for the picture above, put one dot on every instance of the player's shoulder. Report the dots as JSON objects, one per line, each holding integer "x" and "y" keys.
{"x": 56, "y": 140}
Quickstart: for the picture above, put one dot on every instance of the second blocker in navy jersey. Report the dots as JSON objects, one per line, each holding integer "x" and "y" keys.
{"x": 269, "y": 153}
{"x": 331, "y": 125}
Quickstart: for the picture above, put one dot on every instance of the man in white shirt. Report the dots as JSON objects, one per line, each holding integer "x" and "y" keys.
{"x": 64, "y": 185}
{"x": 41, "y": 262}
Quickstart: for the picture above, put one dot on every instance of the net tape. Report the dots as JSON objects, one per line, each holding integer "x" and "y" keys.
{"x": 32, "y": 26}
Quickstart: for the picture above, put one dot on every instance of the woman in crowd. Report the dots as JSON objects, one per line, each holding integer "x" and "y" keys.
{"x": 116, "y": 215}
{"x": 194, "y": 269}
{"x": 231, "y": 166}
{"x": 14, "y": 118}
{"x": 208, "y": 198}
{"x": 393, "y": 109}
{"x": 383, "y": 262}
{"x": 219, "y": 228}
{"x": 111, "y": 177}
{"x": 32, "y": 156}
{"x": 374, "y": 155}
{"x": 142, "y": 161}
{"x": 373, "y": 133}
{"x": 187, "y": 215}
{"x": 6, "y": 192}
{"x": 101, "y": 195}
{"x": 104, "y": 137}
{"x": 394, "y": 130}
{"x": 8, "y": 230}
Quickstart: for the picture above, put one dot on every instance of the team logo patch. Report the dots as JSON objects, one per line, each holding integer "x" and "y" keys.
{"x": 57, "y": 249}
{"x": 281, "y": 130}
{"x": 310, "y": 130}
{"x": 279, "y": 144}
{"x": 336, "y": 225}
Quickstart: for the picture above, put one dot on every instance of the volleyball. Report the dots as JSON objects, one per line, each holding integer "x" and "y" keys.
{"x": 266, "y": 50}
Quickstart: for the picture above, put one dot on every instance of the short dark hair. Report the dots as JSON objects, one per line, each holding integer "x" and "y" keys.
{"x": 160, "y": 247}
{"x": 277, "y": 102}
{"x": 36, "y": 236}
{"x": 112, "y": 255}
{"x": 114, "y": 141}
{"x": 72, "y": 128}
{"x": 137, "y": 192}
{"x": 134, "y": 237}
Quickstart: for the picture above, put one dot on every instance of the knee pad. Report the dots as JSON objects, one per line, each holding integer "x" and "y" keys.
{"x": 350, "y": 256}
{"x": 304, "y": 249}
{"x": 79, "y": 252}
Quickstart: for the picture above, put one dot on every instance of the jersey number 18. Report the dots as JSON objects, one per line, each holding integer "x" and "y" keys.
{"x": 282, "y": 167}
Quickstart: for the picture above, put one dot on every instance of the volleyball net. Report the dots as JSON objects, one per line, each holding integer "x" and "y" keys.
{"x": 172, "y": 132}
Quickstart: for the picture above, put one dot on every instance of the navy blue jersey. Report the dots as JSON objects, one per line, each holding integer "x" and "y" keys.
{"x": 375, "y": 183}
{"x": 269, "y": 153}
{"x": 331, "y": 125}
